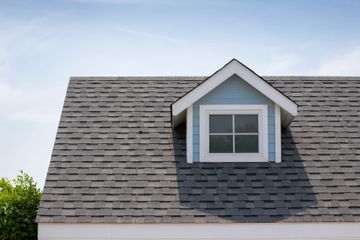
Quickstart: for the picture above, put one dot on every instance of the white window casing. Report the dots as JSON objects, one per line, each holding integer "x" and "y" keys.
{"x": 260, "y": 110}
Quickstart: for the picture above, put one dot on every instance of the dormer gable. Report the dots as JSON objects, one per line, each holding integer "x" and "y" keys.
{"x": 234, "y": 116}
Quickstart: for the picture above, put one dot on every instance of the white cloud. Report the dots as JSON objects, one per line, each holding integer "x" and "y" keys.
{"x": 133, "y": 2}
{"x": 147, "y": 35}
{"x": 20, "y": 97}
{"x": 281, "y": 64}
{"x": 27, "y": 104}
{"x": 345, "y": 64}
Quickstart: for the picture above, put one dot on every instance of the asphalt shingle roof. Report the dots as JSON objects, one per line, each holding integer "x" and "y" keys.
{"x": 116, "y": 158}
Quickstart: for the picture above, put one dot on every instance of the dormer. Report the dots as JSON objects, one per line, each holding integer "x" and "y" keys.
{"x": 234, "y": 116}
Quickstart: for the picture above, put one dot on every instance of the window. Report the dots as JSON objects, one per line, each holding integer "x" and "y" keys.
{"x": 233, "y": 133}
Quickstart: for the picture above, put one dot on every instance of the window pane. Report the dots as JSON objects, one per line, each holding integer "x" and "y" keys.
{"x": 246, "y": 144}
{"x": 220, "y": 124}
{"x": 221, "y": 144}
{"x": 246, "y": 123}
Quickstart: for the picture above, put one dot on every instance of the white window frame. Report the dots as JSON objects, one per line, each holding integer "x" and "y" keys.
{"x": 260, "y": 110}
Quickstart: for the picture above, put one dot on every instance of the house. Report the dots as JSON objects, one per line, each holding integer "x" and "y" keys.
{"x": 230, "y": 156}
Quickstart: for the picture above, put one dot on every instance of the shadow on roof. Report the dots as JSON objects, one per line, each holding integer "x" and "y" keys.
{"x": 244, "y": 192}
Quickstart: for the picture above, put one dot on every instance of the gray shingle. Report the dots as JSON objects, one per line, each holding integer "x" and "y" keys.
{"x": 117, "y": 160}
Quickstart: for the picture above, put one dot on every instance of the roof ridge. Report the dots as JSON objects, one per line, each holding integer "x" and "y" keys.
{"x": 271, "y": 77}
{"x": 309, "y": 77}
{"x": 138, "y": 77}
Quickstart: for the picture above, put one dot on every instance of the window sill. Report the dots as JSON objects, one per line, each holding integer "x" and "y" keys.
{"x": 224, "y": 157}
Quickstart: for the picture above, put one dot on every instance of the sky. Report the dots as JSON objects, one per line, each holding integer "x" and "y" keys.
{"x": 43, "y": 43}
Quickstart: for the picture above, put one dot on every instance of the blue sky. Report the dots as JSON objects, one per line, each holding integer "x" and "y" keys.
{"x": 43, "y": 43}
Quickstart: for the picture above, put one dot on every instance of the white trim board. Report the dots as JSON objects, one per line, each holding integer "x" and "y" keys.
{"x": 231, "y": 231}
{"x": 234, "y": 67}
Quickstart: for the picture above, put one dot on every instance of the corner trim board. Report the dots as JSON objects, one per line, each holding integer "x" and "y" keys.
{"x": 189, "y": 134}
{"x": 277, "y": 134}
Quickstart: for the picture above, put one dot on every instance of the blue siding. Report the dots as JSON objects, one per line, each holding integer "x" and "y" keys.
{"x": 234, "y": 91}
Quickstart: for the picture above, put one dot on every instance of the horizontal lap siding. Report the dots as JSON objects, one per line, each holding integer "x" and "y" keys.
{"x": 234, "y": 91}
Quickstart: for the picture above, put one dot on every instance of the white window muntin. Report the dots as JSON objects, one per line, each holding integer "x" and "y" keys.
{"x": 233, "y": 133}
{"x": 260, "y": 110}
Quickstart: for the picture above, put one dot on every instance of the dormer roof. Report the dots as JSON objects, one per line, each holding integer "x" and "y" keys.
{"x": 234, "y": 67}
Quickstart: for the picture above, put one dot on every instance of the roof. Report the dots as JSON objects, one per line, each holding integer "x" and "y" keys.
{"x": 234, "y": 67}
{"x": 116, "y": 158}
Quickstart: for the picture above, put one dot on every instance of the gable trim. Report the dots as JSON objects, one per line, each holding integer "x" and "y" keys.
{"x": 249, "y": 76}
